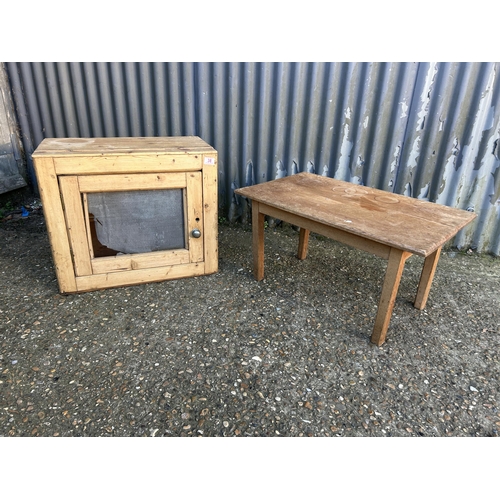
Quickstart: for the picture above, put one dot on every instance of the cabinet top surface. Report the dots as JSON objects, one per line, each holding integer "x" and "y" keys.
{"x": 398, "y": 221}
{"x": 105, "y": 146}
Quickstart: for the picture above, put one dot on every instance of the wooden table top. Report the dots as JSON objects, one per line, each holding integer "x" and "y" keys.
{"x": 121, "y": 146}
{"x": 416, "y": 226}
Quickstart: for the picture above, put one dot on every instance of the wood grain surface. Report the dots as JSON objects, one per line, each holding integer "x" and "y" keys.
{"x": 398, "y": 221}
{"x": 121, "y": 145}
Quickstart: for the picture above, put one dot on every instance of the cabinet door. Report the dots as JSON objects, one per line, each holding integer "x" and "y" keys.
{"x": 132, "y": 228}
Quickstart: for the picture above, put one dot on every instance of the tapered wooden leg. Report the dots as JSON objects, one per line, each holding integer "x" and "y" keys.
{"x": 257, "y": 241}
{"x": 303, "y": 243}
{"x": 393, "y": 274}
{"x": 426, "y": 278}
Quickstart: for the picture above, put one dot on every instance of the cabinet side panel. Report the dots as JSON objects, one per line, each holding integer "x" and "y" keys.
{"x": 210, "y": 207}
{"x": 55, "y": 222}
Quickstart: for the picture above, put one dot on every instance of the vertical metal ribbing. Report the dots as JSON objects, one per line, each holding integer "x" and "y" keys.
{"x": 90, "y": 83}
{"x": 189, "y": 99}
{"x": 147, "y": 98}
{"x": 26, "y": 122}
{"x": 264, "y": 157}
{"x": 247, "y": 142}
{"x": 54, "y": 93}
{"x": 79, "y": 92}
{"x": 234, "y": 109}
{"x": 204, "y": 102}
{"x": 39, "y": 99}
{"x": 426, "y": 130}
{"x": 127, "y": 99}
{"x": 159, "y": 83}
{"x": 331, "y": 79}
{"x": 26, "y": 133}
{"x": 219, "y": 121}
{"x": 106, "y": 101}
{"x": 174, "y": 98}
{"x": 297, "y": 115}
{"x": 67, "y": 100}
{"x": 338, "y": 101}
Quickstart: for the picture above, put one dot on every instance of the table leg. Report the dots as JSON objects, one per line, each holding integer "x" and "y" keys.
{"x": 257, "y": 241}
{"x": 393, "y": 274}
{"x": 426, "y": 277}
{"x": 303, "y": 243}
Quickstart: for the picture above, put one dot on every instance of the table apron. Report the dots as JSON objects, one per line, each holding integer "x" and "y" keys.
{"x": 353, "y": 240}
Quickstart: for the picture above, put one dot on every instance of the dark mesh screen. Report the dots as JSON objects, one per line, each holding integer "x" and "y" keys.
{"x": 136, "y": 221}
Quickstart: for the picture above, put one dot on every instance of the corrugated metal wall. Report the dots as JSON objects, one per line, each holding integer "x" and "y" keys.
{"x": 428, "y": 130}
{"x": 12, "y": 166}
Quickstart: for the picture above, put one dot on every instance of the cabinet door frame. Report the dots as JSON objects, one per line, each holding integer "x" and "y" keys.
{"x": 104, "y": 272}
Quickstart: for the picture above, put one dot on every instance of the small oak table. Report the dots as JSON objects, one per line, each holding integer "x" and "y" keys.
{"x": 389, "y": 225}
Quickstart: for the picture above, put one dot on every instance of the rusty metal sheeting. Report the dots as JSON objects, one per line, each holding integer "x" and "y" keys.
{"x": 427, "y": 130}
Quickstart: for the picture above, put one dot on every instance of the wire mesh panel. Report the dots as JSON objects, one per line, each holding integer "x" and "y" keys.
{"x": 136, "y": 221}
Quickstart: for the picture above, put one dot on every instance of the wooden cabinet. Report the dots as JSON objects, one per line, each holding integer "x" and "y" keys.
{"x": 128, "y": 210}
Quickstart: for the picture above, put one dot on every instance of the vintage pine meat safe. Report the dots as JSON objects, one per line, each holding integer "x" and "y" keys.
{"x": 128, "y": 210}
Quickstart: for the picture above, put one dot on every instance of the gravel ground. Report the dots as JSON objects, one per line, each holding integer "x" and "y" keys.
{"x": 224, "y": 355}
